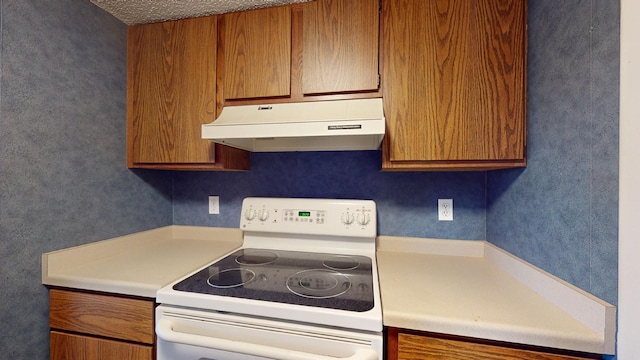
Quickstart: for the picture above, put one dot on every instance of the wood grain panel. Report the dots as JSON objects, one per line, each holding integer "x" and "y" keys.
{"x": 348, "y": 73}
{"x": 195, "y": 93}
{"x": 76, "y": 347}
{"x": 146, "y": 96}
{"x": 257, "y": 53}
{"x": 340, "y": 46}
{"x": 102, "y": 315}
{"x": 416, "y": 347}
{"x": 454, "y": 83}
{"x": 171, "y": 91}
{"x": 67, "y": 347}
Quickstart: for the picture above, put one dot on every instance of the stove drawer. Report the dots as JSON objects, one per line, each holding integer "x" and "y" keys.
{"x": 110, "y": 316}
{"x": 190, "y": 334}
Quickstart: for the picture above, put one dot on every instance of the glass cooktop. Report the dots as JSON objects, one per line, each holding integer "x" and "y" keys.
{"x": 343, "y": 282}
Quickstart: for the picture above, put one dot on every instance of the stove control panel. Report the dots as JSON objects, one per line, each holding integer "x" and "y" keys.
{"x": 334, "y": 217}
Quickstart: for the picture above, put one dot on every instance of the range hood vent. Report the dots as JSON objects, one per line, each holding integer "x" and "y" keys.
{"x": 307, "y": 126}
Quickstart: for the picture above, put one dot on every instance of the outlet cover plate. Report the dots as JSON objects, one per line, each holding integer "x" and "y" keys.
{"x": 445, "y": 209}
{"x": 214, "y": 205}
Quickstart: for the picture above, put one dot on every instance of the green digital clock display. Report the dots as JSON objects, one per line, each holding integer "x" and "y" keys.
{"x": 304, "y": 213}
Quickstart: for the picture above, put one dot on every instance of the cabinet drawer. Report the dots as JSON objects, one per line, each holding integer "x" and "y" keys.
{"x": 102, "y": 315}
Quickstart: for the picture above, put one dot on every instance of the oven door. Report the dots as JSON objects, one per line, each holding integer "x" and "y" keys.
{"x": 189, "y": 334}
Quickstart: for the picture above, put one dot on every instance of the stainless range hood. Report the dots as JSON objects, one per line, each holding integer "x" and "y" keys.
{"x": 308, "y": 126}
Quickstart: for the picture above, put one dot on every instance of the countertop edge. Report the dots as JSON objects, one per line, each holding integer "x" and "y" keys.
{"x": 497, "y": 332}
{"x": 129, "y": 289}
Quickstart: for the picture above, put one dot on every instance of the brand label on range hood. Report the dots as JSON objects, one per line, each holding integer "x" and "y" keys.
{"x": 344, "y": 127}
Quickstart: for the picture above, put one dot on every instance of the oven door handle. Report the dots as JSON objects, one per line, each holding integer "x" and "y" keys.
{"x": 164, "y": 330}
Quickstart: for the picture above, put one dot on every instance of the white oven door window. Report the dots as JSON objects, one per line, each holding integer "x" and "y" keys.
{"x": 185, "y": 334}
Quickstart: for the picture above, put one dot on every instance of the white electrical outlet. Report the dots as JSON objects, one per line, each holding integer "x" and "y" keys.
{"x": 214, "y": 205}
{"x": 445, "y": 209}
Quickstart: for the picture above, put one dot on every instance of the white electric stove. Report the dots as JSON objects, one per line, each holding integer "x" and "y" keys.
{"x": 304, "y": 285}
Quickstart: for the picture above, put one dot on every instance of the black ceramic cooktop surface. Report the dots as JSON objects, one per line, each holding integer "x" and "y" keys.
{"x": 324, "y": 280}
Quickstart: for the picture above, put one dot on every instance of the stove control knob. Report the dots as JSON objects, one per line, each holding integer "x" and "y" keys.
{"x": 347, "y": 218}
{"x": 250, "y": 214}
{"x": 264, "y": 215}
{"x": 363, "y": 219}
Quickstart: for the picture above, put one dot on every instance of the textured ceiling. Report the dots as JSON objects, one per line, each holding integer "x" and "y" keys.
{"x": 146, "y": 11}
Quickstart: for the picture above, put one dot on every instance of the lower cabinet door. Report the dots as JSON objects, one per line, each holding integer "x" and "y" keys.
{"x": 76, "y": 347}
{"x": 415, "y": 345}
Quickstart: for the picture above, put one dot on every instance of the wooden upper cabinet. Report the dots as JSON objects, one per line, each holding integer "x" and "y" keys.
{"x": 317, "y": 50}
{"x": 257, "y": 53}
{"x": 454, "y": 84}
{"x": 340, "y": 46}
{"x": 171, "y": 92}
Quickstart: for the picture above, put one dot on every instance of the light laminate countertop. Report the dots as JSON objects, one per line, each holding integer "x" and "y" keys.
{"x": 465, "y": 288}
{"x": 474, "y": 289}
{"x": 138, "y": 264}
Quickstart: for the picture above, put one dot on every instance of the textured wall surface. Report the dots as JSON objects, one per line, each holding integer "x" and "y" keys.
{"x": 407, "y": 202}
{"x": 63, "y": 175}
{"x": 561, "y": 212}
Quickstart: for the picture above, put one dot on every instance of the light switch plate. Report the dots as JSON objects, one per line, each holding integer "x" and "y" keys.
{"x": 214, "y": 205}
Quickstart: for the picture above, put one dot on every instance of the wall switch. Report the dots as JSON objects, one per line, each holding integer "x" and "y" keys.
{"x": 445, "y": 209}
{"x": 214, "y": 205}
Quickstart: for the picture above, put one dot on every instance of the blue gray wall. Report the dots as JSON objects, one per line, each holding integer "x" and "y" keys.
{"x": 407, "y": 202}
{"x": 63, "y": 179}
{"x": 63, "y": 175}
{"x": 561, "y": 212}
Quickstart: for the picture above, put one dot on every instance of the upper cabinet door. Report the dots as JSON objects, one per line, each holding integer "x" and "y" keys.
{"x": 317, "y": 50}
{"x": 340, "y": 46}
{"x": 454, "y": 84}
{"x": 257, "y": 53}
{"x": 171, "y": 92}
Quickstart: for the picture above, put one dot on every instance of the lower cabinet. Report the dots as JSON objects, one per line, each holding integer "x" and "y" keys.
{"x": 98, "y": 326}
{"x": 415, "y": 345}
{"x": 79, "y": 347}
